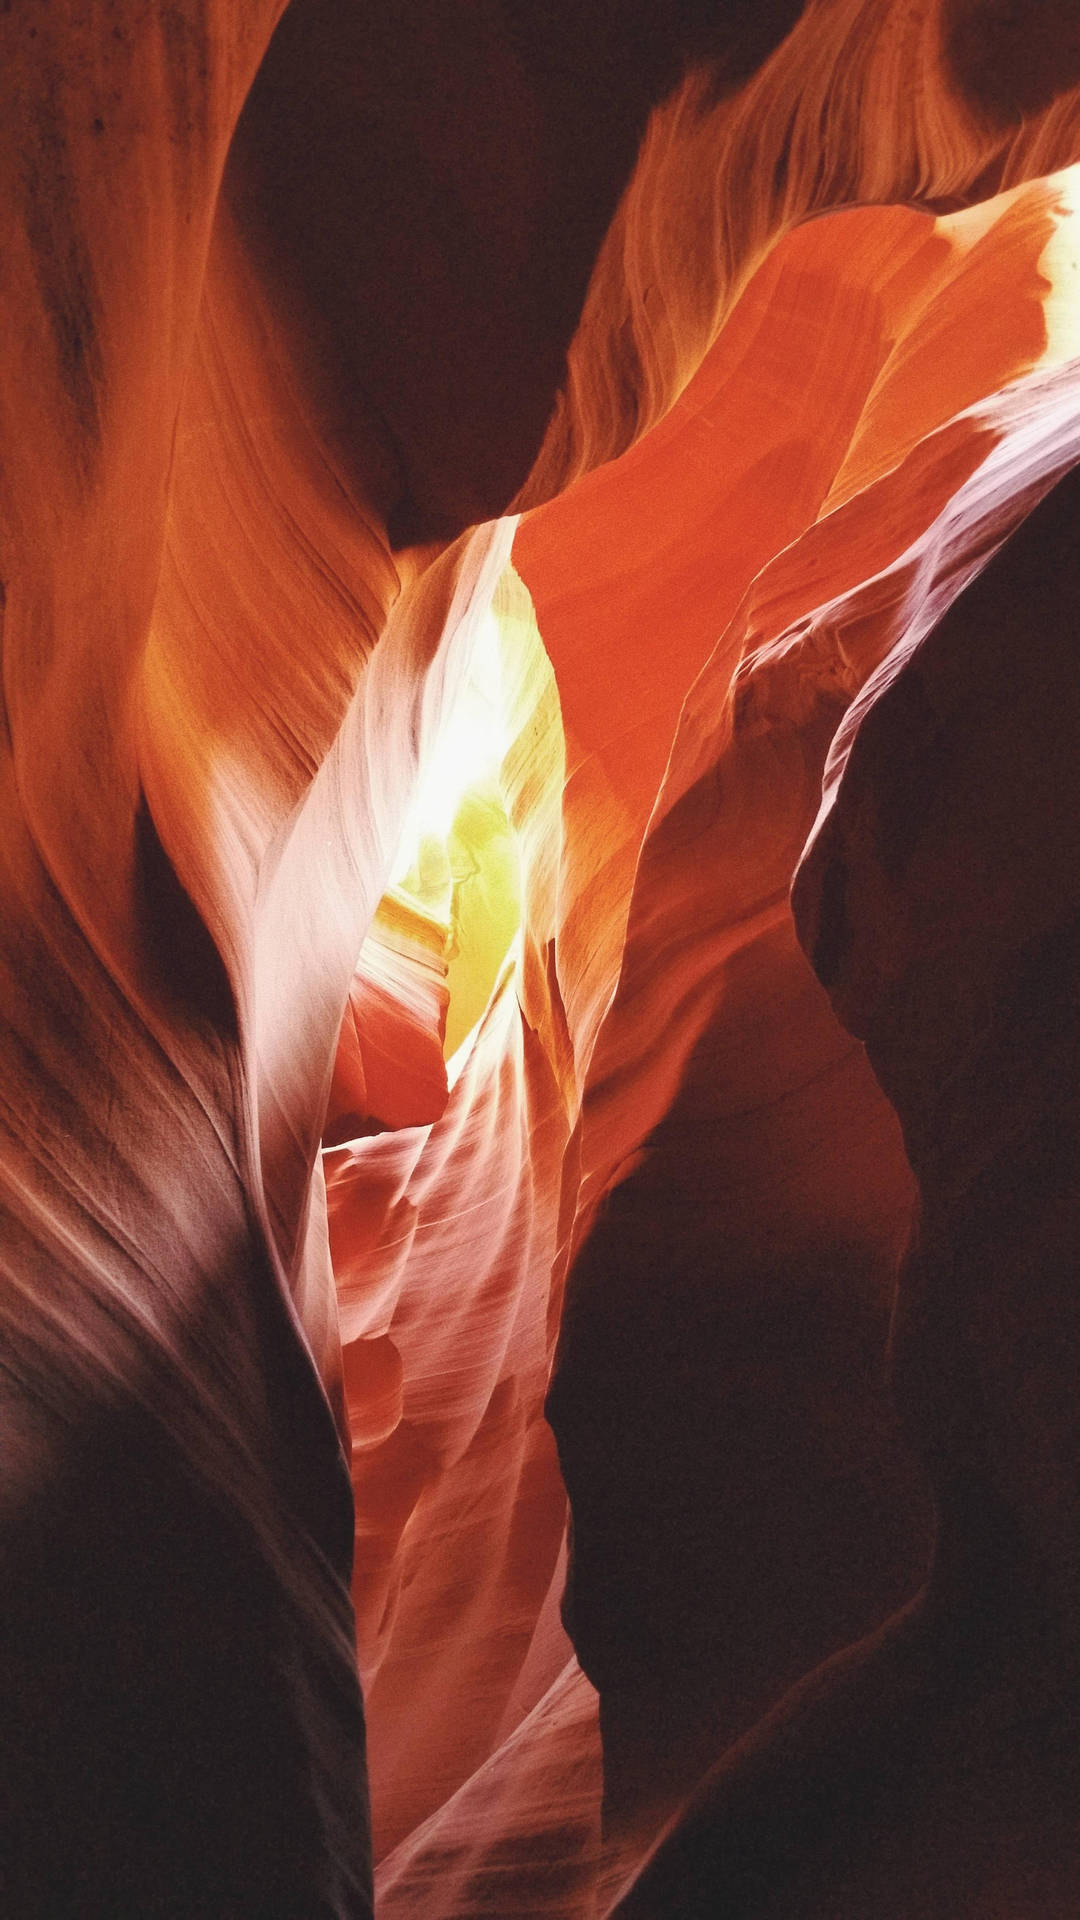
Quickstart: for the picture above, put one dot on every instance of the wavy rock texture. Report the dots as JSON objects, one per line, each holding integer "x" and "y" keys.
{"x": 892, "y": 1802}
{"x": 286, "y": 314}
{"x": 700, "y": 1513}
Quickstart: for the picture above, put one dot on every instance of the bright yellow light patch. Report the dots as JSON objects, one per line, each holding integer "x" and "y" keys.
{"x": 458, "y": 857}
{"x": 467, "y": 754}
{"x": 1061, "y": 265}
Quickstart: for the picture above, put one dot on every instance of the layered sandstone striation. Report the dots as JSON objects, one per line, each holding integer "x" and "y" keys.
{"x": 491, "y": 500}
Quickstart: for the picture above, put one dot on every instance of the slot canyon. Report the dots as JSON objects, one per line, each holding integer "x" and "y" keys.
{"x": 540, "y": 960}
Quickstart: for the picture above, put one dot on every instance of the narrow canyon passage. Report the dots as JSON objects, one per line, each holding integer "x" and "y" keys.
{"x": 538, "y": 1231}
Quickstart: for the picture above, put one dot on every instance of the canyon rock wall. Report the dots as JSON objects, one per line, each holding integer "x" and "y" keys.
{"x": 487, "y": 503}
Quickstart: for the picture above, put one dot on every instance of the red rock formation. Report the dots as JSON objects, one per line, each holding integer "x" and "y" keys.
{"x": 932, "y": 1768}
{"x": 286, "y": 313}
